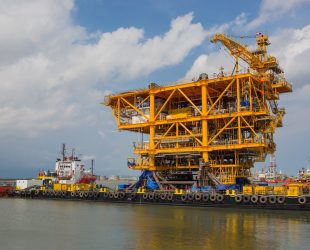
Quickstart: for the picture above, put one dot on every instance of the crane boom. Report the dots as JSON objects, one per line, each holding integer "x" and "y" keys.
{"x": 257, "y": 60}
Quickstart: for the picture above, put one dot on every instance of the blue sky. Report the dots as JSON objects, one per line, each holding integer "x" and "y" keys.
{"x": 60, "y": 57}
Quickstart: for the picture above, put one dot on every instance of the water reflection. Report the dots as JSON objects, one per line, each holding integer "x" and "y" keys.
{"x": 188, "y": 228}
{"x": 30, "y": 224}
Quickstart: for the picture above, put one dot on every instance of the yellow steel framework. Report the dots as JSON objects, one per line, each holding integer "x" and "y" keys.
{"x": 224, "y": 124}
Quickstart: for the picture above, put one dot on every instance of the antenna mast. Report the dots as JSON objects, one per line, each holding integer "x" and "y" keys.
{"x": 63, "y": 151}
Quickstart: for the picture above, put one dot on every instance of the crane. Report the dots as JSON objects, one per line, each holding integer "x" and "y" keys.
{"x": 257, "y": 60}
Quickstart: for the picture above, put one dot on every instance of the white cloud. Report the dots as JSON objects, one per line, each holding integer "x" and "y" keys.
{"x": 212, "y": 64}
{"x": 292, "y": 48}
{"x": 29, "y": 26}
{"x": 273, "y": 9}
{"x": 51, "y": 76}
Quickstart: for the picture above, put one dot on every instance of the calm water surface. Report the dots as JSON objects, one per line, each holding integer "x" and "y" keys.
{"x": 36, "y": 224}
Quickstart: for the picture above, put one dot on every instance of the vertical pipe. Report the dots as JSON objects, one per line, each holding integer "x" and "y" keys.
{"x": 250, "y": 94}
{"x": 118, "y": 111}
{"x": 177, "y": 133}
{"x": 237, "y": 65}
{"x": 63, "y": 151}
{"x": 238, "y": 110}
{"x": 205, "y": 154}
{"x": 152, "y": 128}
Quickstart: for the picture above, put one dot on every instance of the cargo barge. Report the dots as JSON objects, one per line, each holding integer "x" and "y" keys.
{"x": 72, "y": 181}
{"x": 197, "y": 199}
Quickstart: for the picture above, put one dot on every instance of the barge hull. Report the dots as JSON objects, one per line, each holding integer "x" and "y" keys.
{"x": 228, "y": 201}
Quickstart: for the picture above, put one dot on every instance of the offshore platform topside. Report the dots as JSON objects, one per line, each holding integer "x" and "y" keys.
{"x": 211, "y": 130}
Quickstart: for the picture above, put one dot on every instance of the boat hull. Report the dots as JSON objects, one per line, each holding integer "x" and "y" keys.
{"x": 290, "y": 203}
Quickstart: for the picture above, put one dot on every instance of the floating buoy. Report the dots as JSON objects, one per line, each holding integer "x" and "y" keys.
{"x": 246, "y": 198}
{"x": 213, "y": 197}
{"x": 115, "y": 195}
{"x": 190, "y": 197}
{"x": 198, "y": 196}
{"x": 132, "y": 195}
{"x": 238, "y": 198}
{"x": 169, "y": 196}
{"x": 262, "y": 199}
{"x": 205, "y": 197}
{"x": 151, "y": 196}
{"x": 281, "y": 199}
{"x": 302, "y": 200}
{"x": 219, "y": 197}
{"x": 163, "y": 196}
{"x": 184, "y": 197}
{"x": 272, "y": 199}
{"x": 254, "y": 198}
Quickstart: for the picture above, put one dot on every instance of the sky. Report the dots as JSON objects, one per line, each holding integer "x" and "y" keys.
{"x": 59, "y": 58}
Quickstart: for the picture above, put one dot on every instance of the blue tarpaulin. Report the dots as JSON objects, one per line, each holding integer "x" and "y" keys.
{"x": 235, "y": 186}
{"x": 150, "y": 184}
{"x": 223, "y": 187}
{"x": 122, "y": 186}
{"x": 194, "y": 188}
{"x": 206, "y": 188}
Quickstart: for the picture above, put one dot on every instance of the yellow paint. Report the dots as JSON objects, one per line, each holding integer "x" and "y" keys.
{"x": 177, "y": 116}
{"x": 279, "y": 190}
{"x": 294, "y": 190}
{"x": 43, "y": 177}
{"x": 261, "y": 190}
{"x": 247, "y": 190}
{"x": 60, "y": 187}
{"x": 231, "y": 192}
{"x": 193, "y": 118}
{"x": 141, "y": 190}
{"x": 178, "y": 191}
{"x": 73, "y": 187}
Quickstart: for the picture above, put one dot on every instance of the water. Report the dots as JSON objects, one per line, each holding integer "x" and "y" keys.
{"x": 39, "y": 224}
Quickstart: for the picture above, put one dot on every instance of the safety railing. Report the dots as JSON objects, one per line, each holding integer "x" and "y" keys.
{"x": 235, "y": 141}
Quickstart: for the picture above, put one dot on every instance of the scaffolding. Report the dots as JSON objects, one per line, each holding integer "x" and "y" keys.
{"x": 209, "y": 130}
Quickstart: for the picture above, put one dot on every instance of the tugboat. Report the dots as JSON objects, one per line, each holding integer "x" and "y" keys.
{"x": 69, "y": 174}
{"x": 71, "y": 170}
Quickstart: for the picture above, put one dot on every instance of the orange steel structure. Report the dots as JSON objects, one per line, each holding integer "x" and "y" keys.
{"x": 212, "y": 129}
